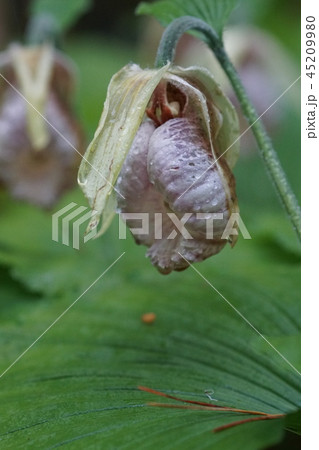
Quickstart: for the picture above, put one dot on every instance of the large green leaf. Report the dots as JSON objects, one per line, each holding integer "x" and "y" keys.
{"x": 214, "y": 12}
{"x": 82, "y": 386}
{"x": 78, "y": 384}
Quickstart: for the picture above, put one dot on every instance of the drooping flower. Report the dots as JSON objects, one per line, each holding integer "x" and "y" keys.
{"x": 39, "y": 136}
{"x": 167, "y": 141}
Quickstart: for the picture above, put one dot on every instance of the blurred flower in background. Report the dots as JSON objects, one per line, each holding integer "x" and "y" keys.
{"x": 40, "y": 139}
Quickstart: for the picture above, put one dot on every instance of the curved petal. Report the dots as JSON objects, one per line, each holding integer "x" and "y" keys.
{"x": 217, "y": 117}
{"x": 127, "y": 97}
{"x": 228, "y": 135}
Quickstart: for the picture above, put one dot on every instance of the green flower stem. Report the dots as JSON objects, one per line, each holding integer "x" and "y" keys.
{"x": 166, "y": 52}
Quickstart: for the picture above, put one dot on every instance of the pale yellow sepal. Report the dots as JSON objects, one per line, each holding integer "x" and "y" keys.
{"x": 128, "y": 95}
{"x": 33, "y": 69}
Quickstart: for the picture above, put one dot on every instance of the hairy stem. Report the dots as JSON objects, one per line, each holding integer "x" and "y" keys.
{"x": 166, "y": 52}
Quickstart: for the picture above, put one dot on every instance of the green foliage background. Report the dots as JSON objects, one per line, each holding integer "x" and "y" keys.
{"x": 77, "y": 387}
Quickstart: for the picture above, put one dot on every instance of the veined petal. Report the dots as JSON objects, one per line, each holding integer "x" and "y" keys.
{"x": 128, "y": 95}
{"x": 218, "y": 119}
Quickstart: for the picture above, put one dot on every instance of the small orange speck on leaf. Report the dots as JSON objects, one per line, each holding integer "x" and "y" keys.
{"x": 148, "y": 318}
